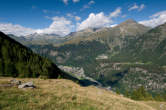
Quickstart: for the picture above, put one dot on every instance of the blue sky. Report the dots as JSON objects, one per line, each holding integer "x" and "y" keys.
{"x": 22, "y": 17}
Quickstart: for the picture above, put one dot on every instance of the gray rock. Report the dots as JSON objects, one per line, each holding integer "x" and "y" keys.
{"x": 15, "y": 82}
{"x": 108, "y": 88}
{"x": 27, "y": 85}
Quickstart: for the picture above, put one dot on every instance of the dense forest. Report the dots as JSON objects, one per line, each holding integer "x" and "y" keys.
{"x": 18, "y": 61}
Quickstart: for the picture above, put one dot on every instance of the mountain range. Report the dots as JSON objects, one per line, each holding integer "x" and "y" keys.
{"x": 124, "y": 57}
{"x": 39, "y": 39}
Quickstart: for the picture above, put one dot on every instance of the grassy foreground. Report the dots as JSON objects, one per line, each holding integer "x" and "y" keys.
{"x": 61, "y": 94}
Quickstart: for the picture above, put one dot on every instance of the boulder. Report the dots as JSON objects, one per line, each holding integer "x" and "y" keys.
{"x": 27, "y": 85}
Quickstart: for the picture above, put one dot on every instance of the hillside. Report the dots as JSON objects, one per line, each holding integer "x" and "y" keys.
{"x": 18, "y": 61}
{"x": 149, "y": 47}
{"x": 61, "y": 94}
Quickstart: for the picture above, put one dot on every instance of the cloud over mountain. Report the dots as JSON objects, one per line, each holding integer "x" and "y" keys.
{"x": 95, "y": 21}
{"x": 15, "y": 29}
{"x": 72, "y": 22}
{"x": 155, "y": 20}
{"x": 99, "y": 20}
{"x": 60, "y": 26}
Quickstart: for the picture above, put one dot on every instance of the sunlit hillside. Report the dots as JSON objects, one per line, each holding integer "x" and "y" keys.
{"x": 61, "y": 94}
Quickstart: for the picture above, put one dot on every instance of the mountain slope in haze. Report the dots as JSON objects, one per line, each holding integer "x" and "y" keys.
{"x": 20, "y": 39}
{"x": 82, "y": 34}
{"x": 39, "y": 39}
{"x": 19, "y": 61}
{"x": 44, "y": 39}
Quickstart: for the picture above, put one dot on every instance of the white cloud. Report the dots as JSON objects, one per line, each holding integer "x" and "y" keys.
{"x": 155, "y": 20}
{"x": 88, "y": 5}
{"x": 95, "y": 21}
{"x": 123, "y": 16}
{"x": 85, "y": 6}
{"x": 113, "y": 25}
{"x": 63, "y": 26}
{"x": 65, "y": 2}
{"x": 91, "y": 2}
{"x": 9, "y": 28}
{"x": 69, "y": 15}
{"x": 47, "y": 17}
{"x": 141, "y": 7}
{"x": 158, "y": 14}
{"x": 137, "y": 7}
{"x": 77, "y": 18}
{"x": 75, "y": 1}
{"x": 45, "y": 11}
{"x": 60, "y": 26}
{"x": 99, "y": 20}
{"x": 116, "y": 13}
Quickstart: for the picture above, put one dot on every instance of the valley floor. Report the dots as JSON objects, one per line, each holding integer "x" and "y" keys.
{"x": 61, "y": 94}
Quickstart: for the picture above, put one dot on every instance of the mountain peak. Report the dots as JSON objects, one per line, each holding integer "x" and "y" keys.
{"x": 84, "y": 32}
{"x": 130, "y": 28}
{"x": 128, "y": 22}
